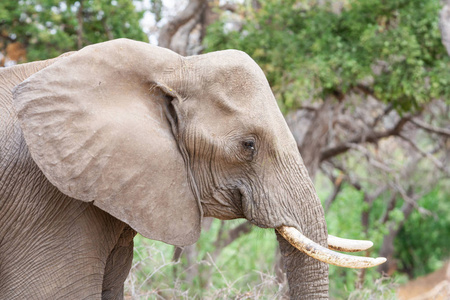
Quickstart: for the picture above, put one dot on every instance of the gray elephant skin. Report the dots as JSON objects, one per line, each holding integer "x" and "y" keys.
{"x": 124, "y": 137}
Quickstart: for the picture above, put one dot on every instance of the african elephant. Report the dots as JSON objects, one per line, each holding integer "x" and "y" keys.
{"x": 124, "y": 137}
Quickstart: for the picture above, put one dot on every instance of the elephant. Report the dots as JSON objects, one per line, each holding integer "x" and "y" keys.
{"x": 123, "y": 137}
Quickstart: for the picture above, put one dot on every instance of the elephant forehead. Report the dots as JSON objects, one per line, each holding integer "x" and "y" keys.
{"x": 234, "y": 93}
{"x": 230, "y": 79}
{"x": 236, "y": 72}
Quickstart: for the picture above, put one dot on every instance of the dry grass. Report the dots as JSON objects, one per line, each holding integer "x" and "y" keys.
{"x": 384, "y": 289}
{"x": 155, "y": 276}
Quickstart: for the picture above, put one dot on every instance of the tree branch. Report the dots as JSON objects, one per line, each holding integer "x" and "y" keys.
{"x": 386, "y": 110}
{"x": 107, "y": 29}
{"x": 444, "y": 26}
{"x": 391, "y": 205}
{"x": 233, "y": 234}
{"x": 232, "y": 7}
{"x": 337, "y": 186}
{"x": 348, "y": 178}
{"x": 369, "y": 199}
{"x": 430, "y": 128}
{"x": 180, "y": 40}
{"x": 80, "y": 25}
{"x": 387, "y": 248}
{"x": 436, "y": 162}
{"x": 177, "y": 251}
{"x": 193, "y": 8}
{"x": 308, "y": 108}
{"x": 372, "y": 137}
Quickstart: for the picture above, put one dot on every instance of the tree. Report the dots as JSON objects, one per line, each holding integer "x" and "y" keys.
{"x": 365, "y": 86}
{"x": 47, "y": 28}
{"x": 175, "y": 33}
{"x": 390, "y": 49}
{"x": 184, "y": 32}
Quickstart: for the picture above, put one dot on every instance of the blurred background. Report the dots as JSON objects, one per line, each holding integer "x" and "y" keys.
{"x": 364, "y": 86}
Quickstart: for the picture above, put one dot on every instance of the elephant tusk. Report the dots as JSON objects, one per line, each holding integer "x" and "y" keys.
{"x": 346, "y": 245}
{"x": 310, "y": 248}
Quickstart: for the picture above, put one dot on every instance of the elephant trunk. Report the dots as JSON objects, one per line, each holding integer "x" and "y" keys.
{"x": 304, "y": 240}
{"x": 307, "y": 277}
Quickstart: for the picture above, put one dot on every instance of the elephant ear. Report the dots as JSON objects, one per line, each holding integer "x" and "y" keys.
{"x": 97, "y": 125}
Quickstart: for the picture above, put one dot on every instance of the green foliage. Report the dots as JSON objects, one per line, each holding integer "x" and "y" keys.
{"x": 420, "y": 247}
{"x": 48, "y": 28}
{"x": 246, "y": 267}
{"x": 391, "y": 48}
{"x": 344, "y": 220}
{"x": 423, "y": 242}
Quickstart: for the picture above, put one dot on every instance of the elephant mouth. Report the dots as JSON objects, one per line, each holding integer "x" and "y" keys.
{"x": 327, "y": 255}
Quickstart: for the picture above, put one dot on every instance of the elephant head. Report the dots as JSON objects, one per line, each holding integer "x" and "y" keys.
{"x": 159, "y": 141}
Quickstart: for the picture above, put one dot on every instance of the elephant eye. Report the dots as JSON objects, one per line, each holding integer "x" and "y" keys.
{"x": 249, "y": 145}
{"x": 249, "y": 149}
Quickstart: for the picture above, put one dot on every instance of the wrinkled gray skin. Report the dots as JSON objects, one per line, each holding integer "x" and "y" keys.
{"x": 122, "y": 137}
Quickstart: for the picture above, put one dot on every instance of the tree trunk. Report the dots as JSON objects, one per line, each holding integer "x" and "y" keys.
{"x": 310, "y": 129}
{"x": 387, "y": 249}
{"x": 444, "y": 25}
{"x": 194, "y": 10}
{"x": 80, "y": 26}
